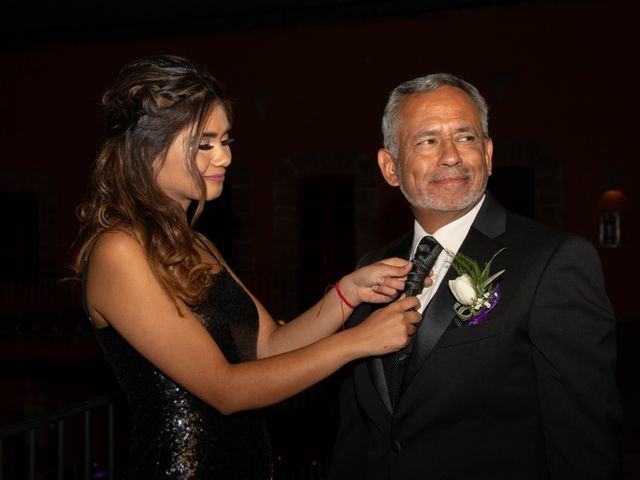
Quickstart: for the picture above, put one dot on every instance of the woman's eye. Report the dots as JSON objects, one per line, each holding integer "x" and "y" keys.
{"x": 209, "y": 145}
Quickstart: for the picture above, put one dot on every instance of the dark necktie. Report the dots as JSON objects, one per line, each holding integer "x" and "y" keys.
{"x": 425, "y": 257}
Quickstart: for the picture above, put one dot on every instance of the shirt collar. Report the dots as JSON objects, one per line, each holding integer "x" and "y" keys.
{"x": 451, "y": 235}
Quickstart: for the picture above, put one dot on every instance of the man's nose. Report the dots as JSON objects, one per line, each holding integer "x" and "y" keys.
{"x": 449, "y": 155}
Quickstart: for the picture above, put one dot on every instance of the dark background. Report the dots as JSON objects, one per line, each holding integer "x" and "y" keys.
{"x": 304, "y": 198}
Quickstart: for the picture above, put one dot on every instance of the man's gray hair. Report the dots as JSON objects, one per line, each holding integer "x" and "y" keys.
{"x": 390, "y": 119}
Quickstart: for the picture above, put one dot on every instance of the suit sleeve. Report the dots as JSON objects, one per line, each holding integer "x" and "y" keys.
{"x": 572, "y": 329}
{"x": 350, "y": 449}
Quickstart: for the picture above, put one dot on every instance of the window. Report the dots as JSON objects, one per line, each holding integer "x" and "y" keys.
{"x": 19, "y": 242}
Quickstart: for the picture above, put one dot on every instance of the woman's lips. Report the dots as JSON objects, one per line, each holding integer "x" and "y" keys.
{"x": 214, "y": 178}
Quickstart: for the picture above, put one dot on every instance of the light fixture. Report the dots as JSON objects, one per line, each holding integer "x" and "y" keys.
{"x": 611, "y": 203}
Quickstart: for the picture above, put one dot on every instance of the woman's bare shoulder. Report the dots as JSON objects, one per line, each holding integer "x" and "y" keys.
{"x": 115, "y": 253}
{"x": 114, "y": 244}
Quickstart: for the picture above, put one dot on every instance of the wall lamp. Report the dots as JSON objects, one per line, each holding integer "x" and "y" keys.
{"x": 611, "y": 203}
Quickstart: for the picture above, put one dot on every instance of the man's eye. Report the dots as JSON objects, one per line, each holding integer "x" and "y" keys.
{"x": 228, "y": 141}
{"x": 427, "y": 141}
{"x": 467, "y": 138}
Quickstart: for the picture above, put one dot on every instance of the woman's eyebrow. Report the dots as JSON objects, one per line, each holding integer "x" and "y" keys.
{"x": 215, "y": 134}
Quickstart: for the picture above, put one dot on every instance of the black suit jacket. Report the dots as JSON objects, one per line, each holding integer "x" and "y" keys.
{"x": 529, "y": 394}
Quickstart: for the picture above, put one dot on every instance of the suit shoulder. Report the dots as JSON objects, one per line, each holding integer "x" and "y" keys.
{"x": 534, "y": 234}
{"x": 393, "y": 249}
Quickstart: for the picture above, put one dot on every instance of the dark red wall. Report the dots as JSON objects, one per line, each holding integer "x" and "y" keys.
{"x": 557, "y": 76}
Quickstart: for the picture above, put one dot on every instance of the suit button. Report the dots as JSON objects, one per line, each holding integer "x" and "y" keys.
{"x": 396, "y": 446}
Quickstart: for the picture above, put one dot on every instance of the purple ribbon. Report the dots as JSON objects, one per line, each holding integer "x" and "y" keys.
{"x": 482, "y": 316}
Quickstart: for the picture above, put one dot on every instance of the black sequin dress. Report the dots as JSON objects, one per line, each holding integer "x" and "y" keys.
{"x": 177, "y": 436}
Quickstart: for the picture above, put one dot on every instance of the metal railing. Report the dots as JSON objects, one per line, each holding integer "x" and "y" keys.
{"x": 58, "y": 420}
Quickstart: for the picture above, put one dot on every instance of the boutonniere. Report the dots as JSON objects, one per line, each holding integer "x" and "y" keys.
{"x": 473, "y": 289}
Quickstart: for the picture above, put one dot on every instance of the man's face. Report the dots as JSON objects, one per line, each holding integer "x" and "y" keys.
{"x": 443, "y": 161}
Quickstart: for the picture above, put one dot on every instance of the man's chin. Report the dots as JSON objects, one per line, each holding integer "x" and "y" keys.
{"x": 451, "y": 204}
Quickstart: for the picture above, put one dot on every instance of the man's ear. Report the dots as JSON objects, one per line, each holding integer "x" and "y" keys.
{"x": 488, "y": 155}
{"x": 388, "y": 167}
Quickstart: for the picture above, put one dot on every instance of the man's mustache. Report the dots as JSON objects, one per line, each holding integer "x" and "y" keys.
{"x": 449, "y": 173}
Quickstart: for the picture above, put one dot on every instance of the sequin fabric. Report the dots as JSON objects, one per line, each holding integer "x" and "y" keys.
{"x": 174, "y": 434}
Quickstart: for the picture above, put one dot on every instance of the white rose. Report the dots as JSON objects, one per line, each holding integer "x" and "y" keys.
{"x": 463, "y": 290}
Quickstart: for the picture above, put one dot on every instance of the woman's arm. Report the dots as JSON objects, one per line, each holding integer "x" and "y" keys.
{"x": 123, "y": 293}
{"x": 379, "y": 282}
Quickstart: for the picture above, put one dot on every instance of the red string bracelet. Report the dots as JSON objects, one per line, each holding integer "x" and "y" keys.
{"x": 344, "y": 300}
{"x": 337, "y": 287}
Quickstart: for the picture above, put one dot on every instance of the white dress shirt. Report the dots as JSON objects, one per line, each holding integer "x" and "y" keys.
{"x": 450, "y": 237}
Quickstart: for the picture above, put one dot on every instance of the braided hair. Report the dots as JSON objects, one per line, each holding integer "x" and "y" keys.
{"x": 151, "y": 101}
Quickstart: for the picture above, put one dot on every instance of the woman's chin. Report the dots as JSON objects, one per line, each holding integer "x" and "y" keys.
{"x": 213, "y": 195}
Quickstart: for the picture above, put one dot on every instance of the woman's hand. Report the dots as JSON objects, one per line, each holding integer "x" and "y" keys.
{"x": 388, "y": 329}
{"x": 380, "y": 282}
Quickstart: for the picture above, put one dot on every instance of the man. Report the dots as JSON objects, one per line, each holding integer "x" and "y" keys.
{"x": 524, "y": 391}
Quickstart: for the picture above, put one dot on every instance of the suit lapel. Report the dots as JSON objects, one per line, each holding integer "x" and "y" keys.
{"x": 369, "y": 376}
{"x": 439, "y": 313}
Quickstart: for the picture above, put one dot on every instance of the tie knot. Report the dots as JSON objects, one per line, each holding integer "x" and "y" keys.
{"x": 423, "y": 261}
{"x": 428, "y": 250}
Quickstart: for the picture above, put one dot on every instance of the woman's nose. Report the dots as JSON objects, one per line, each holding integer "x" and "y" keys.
{"x": 222, "y": 157}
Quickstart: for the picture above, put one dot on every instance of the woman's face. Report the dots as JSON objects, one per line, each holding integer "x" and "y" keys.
{"x": 212, "y": 159}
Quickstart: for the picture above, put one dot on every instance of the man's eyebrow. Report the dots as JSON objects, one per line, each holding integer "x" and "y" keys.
{"x": 465, "y": 129}
{"x": 426, "y": 133}
{"x": 435, "y": 131}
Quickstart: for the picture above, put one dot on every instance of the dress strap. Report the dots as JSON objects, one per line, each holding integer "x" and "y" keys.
{"x": 85, "y": 305}
{"x": 206, "y": 247}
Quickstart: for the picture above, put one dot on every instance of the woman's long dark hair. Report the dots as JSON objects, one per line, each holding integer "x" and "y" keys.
{"x": 152, "y": 100}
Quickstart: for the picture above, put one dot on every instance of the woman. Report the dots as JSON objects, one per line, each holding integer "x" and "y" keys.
{"x": 194, "y": 351}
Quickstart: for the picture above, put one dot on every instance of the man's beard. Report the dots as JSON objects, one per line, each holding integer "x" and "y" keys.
{"x": 424, "y": 201}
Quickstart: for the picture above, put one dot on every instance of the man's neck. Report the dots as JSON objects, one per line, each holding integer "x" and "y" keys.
{"x": 432, "y": 221}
